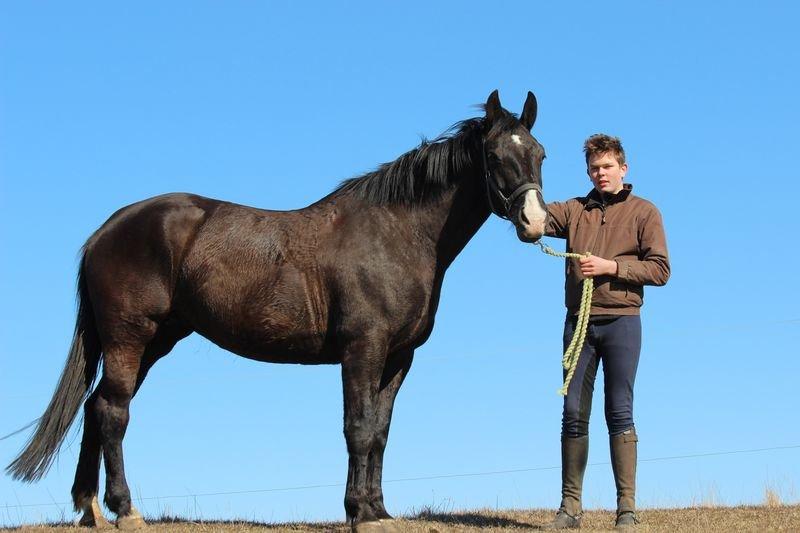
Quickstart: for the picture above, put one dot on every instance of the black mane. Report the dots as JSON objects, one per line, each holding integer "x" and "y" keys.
{"x": 424, "y": 172}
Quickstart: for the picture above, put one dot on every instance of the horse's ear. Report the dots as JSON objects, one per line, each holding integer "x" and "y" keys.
{"x": 492, "y": 107}
{"x": 529, "y": 111}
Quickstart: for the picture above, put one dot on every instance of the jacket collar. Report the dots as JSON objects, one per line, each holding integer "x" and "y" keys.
{"x": 596, "y": 199}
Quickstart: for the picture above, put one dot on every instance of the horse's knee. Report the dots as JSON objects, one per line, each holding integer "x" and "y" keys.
{"x": 358, "y": 436}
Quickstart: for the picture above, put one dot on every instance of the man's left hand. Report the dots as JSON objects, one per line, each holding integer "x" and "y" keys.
{"x": 597, "y": 266}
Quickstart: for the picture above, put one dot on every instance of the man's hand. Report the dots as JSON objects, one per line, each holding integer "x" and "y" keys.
{"x": 597, "y": 266}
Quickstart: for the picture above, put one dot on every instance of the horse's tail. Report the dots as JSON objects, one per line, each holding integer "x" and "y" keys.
{"x": 74, "y": 386}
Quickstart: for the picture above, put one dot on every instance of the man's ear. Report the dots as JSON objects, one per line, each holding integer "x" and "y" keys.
{"x": 492, "y": 107}
{"x": 529, "y": 111}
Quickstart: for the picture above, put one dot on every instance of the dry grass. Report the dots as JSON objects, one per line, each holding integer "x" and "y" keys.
{"x": 697, "y": 519}
{"x": 772, "y": 498}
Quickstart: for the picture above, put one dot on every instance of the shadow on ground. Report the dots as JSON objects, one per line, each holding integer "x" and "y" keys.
{"x": 472, "y": 520}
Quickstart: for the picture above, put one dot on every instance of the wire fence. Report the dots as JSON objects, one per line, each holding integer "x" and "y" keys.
{"x": 420, "y": 478}
{"x": 793, "y": 321}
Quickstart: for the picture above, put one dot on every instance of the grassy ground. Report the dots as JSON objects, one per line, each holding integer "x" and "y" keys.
{"x": 700, "y": 519}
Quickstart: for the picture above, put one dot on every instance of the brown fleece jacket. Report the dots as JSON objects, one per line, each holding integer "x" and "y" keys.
{"x": 621, "y": 227}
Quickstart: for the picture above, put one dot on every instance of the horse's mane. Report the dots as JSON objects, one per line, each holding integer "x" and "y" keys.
{"x": 425, "y": 171}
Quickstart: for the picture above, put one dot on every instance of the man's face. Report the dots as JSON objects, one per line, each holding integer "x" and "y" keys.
{"x": 606, "y": 173}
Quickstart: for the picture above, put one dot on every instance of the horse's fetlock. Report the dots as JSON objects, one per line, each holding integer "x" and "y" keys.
{"x": 119, "y": 504}
{"x": 81, "y": 499}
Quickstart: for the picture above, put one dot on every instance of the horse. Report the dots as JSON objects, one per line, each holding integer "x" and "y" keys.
{"x": 353, "y": 279}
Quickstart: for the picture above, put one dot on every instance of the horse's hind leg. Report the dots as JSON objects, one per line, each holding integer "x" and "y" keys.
{"x": 87, "y": 475}
{"x": 85, "y": 488}
{"x": 120, "y": 372}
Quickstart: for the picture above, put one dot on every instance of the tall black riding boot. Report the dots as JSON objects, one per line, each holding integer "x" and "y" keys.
{"x": 574, "y": 453}
{"x": 623, "y": 462}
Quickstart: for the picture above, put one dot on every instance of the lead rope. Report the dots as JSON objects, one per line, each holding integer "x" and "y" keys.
{"x": 573, "y": 351}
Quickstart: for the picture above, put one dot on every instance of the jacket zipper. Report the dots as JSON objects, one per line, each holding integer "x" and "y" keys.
{"x": 602, "y": 223}
{"x": 597, "y": 236}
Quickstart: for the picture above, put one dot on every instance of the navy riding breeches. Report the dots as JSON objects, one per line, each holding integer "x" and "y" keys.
{"x": 616, "y": 341}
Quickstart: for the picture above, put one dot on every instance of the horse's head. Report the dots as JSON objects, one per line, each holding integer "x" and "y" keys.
{"x": 513, "y": 167}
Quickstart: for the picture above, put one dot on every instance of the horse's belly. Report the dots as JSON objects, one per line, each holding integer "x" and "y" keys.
{"x": 278, "y": 326}
{"x": 284, "y": 345}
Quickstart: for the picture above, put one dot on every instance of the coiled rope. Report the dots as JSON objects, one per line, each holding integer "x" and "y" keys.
{"x": 573, "y": 351}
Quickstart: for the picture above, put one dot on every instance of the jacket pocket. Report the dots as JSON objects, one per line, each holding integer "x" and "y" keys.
{"x": 625, "y": 294}
{"x": 634, "y": 294}
{"x": 619, "y": 289}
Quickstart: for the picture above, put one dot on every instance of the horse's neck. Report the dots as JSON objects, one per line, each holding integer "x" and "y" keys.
{"x": 453, "y": 220}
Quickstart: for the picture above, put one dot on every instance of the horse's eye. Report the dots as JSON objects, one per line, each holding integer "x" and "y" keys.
{"x": 493, "y": 157}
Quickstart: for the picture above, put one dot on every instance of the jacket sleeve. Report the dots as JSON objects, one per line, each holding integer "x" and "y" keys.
{"x": 557, "y": 221}
{"x": 652, "y": 268}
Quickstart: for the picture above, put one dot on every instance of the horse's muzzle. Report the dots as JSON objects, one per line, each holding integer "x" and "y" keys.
{"x": 531, "y": 217}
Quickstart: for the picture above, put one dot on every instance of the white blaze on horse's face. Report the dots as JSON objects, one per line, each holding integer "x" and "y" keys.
{"x": 516, "y": 139}
{"x": 533, "y": 216}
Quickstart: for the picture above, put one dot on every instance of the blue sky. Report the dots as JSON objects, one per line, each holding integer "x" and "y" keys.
{"x": 272, "y": 104}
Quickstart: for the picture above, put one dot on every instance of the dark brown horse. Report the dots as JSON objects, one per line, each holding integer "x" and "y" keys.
{"x": 352, "y": 279}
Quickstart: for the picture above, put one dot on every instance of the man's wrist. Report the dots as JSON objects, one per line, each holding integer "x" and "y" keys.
{"x": 613, "y": 268}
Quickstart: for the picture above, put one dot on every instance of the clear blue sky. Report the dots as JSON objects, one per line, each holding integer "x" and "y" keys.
{"x": 272, "y": 104}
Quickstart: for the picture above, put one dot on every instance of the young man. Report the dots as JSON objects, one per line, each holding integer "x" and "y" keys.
{"x": 625, "y": 235}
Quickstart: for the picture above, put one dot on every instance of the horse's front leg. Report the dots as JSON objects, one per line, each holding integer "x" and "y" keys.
{"x": 362, "y": 368}
{"x": 394, "y": 372}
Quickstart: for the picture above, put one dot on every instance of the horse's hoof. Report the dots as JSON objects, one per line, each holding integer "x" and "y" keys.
{"x": 378, "y": 526}
{"x": 131, "y": 522}
{"x": 390, "y": 525}
{"x": 93, "y": 516}
{"x": 373, "y": 526}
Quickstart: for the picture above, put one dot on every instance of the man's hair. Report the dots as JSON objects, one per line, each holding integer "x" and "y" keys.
{"x": 600, "y": 143}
